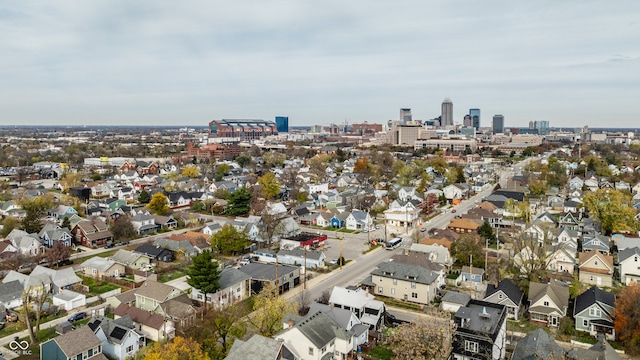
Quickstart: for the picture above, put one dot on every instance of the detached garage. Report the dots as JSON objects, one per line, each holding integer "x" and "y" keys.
{"x": 69, "y": 300}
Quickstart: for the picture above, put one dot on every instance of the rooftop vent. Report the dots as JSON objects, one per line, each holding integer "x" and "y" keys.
{"x": 484, "y": 314}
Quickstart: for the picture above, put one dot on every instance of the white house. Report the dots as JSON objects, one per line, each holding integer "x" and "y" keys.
{"x": 358, "y": 220}
{"x": 629, "y": 260}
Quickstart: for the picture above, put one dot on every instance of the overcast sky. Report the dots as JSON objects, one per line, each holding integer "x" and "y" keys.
{"x": 319, "y": 62}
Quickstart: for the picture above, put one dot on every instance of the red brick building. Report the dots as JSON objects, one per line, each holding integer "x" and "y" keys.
{"x": 241, "y": 130}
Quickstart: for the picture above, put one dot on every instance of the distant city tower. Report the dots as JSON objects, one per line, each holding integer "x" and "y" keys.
{"x": 405, "y": 115}
{"x": 475, "y": 118}
{"x": 498, "y": 124}
{"x": 447, "y": 112}
{"x": 282, "y": 124}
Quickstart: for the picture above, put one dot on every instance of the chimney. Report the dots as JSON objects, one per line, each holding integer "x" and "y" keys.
{"x": 291, "y": 323}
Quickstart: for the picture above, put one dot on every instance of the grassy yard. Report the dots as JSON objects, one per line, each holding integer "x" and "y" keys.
{"x": 171, "y": 275}
{"x": 381, "y": 352}
{"x": 523, "y": 326}
{"x": 399, "y": 303}
{"x": 97, "y": 286}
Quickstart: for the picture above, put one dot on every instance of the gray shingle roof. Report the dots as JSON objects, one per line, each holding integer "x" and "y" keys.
{"x": 231, "y": 276}
{"x": 77, "y": 341}
{"x": 405, "y": 272}
{"x": 537, "y": 345}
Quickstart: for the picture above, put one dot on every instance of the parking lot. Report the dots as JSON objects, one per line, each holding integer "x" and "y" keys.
{"x": 352, "y": 244}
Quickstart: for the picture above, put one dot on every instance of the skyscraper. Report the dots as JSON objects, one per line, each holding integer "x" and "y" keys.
{"x": 447, "y": 112}
{"x": 542, "y": 126}
{"x": 405, "y": 115}
{"x": 475, "y": 118}
{"x": 498, "y": 124}
{"x": 467, "y": 121}
{"x": 282, "y": 124}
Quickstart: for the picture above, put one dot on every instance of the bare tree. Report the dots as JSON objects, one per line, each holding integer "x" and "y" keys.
{"x": 58, "y": 253}
{"x": 33, "y": 299}
{"x": 304, "y": 303}
{"x": 324, "y": 298}
{"x": 430, "y": 338}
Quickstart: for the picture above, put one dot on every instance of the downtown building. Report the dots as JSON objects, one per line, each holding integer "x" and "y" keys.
{"x": 238, "y": 130}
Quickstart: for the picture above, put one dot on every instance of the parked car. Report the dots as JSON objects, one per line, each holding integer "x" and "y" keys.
{"x": 453, "y": 211}
{"x": 77, "y": 316}
{"x": 3, "y": 322}
{"x": 11, "y": 316}
{"x": 109, "y": 246}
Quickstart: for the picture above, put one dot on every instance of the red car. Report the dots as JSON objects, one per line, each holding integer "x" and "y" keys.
{"x": 453, "y": 210}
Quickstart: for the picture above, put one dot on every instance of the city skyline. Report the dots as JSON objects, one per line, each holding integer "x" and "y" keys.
{"x": 152, "y": 63}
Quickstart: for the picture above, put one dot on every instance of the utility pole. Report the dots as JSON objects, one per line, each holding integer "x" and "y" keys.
{"x": 305, "y": 268}
{"x": 277, "y": 280}
{"x": 340, "y": 260}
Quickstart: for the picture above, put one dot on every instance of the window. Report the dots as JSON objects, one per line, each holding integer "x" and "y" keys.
{"x": 199, "y": 296}
{"x": 585, "y": 323}
{"x": 635, "y": 258}
{"x": 500, "y": 296}
{"x": 471, "y": 346}
{"x": 141, "y": 300}
{"x": 324, "y": 349}
{"x": 395, "y": 281}
{"x": 414, "y": 295}
{"x": 546, "y": 303}
{"x": 332, "y": 343}
{"x": 94, "y": 271}
{"x": 413, "y": 285}
{"x": 591, "y": 278}
{"x": 595, "y": 263}
{"x": 310, "y": 350}
{"x": 393, "y": 291}
{"x": 380, "y": 290}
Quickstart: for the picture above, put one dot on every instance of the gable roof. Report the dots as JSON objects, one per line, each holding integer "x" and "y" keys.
{"x": 140, "y": 316}
{"x": 98, "y": 263}
{"x": 77, "y": 341}
{"x": 628, "y": 253}
{"x": 320, "y": 329}
{"x": 230, "y": 277}
{"x": 537, "y": 345}
{"x": 60, "y": 277}
{"x": 256, "y": 347}
{"x": 155, "y": 290}
{"x": 592, "y": 296}
{"x": 455, "y": 297}
{"x": 557, "y": 293}
{"x": 508, "y": 288}
{"x": 587, "y": 255}
{"x": 405, "y": 272}
{"x": 10, "y": 291}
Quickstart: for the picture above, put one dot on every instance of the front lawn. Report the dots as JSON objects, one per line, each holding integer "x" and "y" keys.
{"x": 381, "y": 352}
{"x": 170, "y": 275}
{"x": 523, "y": 326}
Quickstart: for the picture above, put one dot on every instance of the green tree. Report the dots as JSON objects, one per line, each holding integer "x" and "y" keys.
{"x": 243, "y": 160}
{"x": 217, "y": 330}
{"x": 486, "y": 231}
{"x": 66, "y": 223}
{"x": 159, "y": 204}
{"x": 239, "y": 202}
{"x": 221, "y": 171}
{"x": 228, "y": 240}
{"x": 612, "y": 209}
{"x": 270, "y": 185}
{"x": 466, "y": 248}
{"x": 35, "y": 208}
{"x": 9, "y": 224}
{"x": 269, "y": 310}
{"x": 204, "y": 274}
{"x": 144, "y": 197}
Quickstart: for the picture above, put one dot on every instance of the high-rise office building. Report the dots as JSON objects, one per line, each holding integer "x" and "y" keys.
{"x": 447, "y": 112}
{"x": 467, "y": 121}
{"x": 542, "y": 126}
{"x": 531, "y": 125}
{"x": 475, "y": 118}
{"x": 282, "y": 124}
{"x": 405, "y": 115}
{"x": 498, "y": 124}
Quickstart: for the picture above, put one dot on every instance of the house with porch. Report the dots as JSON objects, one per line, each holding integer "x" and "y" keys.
{"x": 81, "y": 343}
{"x": 548, "y": 303}
{"x": 92, "y": 233}
{"x": 594, "y": 312}
{"x": 596, "y": 268}
{"x": 98, "y": 267}
{"x": 629, "y": 262}
{"x": 506, "y": 293}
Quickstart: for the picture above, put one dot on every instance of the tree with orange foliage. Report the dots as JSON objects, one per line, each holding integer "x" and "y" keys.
{"x": 361, "y": 166}
{"x": 180, "y": 348}
{"x": 627, "y": 321}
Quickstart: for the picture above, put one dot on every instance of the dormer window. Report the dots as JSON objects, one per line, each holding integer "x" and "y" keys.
{"x": 546, "y": 303}
{"x": 635, "y": 259}
{"x": 500, "y": 296}
{"x": 595, "y": 263}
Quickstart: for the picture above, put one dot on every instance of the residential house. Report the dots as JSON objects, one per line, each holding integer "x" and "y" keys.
{"x": 481, "y": 331}
{"x": 358, "y": 220}
{"x": 561, "y": 260}
{"x": 99, "y": 268}
{"x": 7, "y": 250}
{"x": 62, "y": 211}
{"x": 211, "y": 229}
{"x": 189, "y": 244}
{"x": 131, "y": 259}
{"x": 596, "y": 268}
{"x": 318, "y": 336}
{"x": 629, "y": 260}
{"x": 234, "y": 286}
{"x": 339, "y": 218}
{"x": 366, "y": 309}
{"x": 463, "y": 226}
{"x": 506, "y": 293}
{"x": 568, "y": 239}
{"x": 156, "y": 253}
{"x": 11, "y": 294}
{"x": 310, "y": 259}
{"x": 453, "y": 300}
{"x": 120, "y": 340}
{"x": 576, "y": 183}
{"x": 323, "y": 219}
{"x": 285, "y": 277}
{"x": 455, "y": 191}
{"x": 26, "y": 244}
{"x": 596, "y": 242}
{"x": 570, "y": 220}
{"x": 594, "y": 311}
{"x": 165, "y": 222}
{"x": 80, "y": 344}
{"x": 152, "y": 294}
{"x": 406, "y": 282}
{"x": 61, "y": 279}
{"x": 92, "y": 233}
{"x": 537, "y": 345}
{"x": 406, "y": 193}
{"x": 401, "y": 215}
{"x": 548, "y": 303}
{"x": 470, "y": 274}
{"x": 436, "y": 253}
{"x": 7, "y": 208}
{"x": 36, "y": 284}
{"x": 260, "y": 347}
{"x": 600, "y": 350}
{"x": 144, "y": 224}
{"x": 180, "y": 310}
{"x": 179, "y": 199}
{"x": 153, "y": 326}
{"x": 52, "y": 233}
